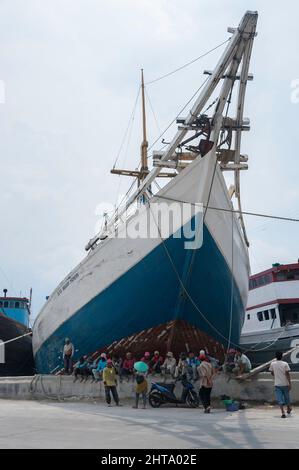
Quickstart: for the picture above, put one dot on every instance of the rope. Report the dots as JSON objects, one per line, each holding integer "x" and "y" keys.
{"x": 8, "y": 280}
{"x": 15, "y": 339}
{"x": 194, "y": 303}
{"x": 255, "y": 214}
{"x": 33, "y": 389}
{"x": 129, "y": 136}
{"x": 182, "y": 284}
{"x": 127, "y": 128}
{"x": 188, "y": 63}
{"x": 232, "y": 287}
{"x": 174, "y": 120}
{"x": 266, "y": 347}
{"x": 152, "y": 110}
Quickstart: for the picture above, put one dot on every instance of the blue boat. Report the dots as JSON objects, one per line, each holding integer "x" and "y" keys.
{"x": 137, "y": 276}
{"x": 16, "y": 353}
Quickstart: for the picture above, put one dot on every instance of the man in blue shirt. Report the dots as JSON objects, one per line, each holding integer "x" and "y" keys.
{"x": 81, "y": 369}
{"x": 192, "y": 364}
{"x": 98, "y": 371}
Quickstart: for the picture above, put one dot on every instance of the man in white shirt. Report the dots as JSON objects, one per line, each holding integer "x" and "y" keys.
{"x": 242, "y": 363}
{"x": 282, "y": 382}
{"x": 68, "y": 353}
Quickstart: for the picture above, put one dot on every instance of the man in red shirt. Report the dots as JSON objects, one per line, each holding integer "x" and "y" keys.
{"x": 156, "y": 363}
{"x": 127, "y": 369}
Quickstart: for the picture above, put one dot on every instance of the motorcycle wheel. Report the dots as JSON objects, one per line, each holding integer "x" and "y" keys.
{"x": 155, "y": 400}
{"x": 192, "y": 399}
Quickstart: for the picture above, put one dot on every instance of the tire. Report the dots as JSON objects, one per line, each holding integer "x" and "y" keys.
{"x": 192, "y": 399}
{"x": 155, "y": 400}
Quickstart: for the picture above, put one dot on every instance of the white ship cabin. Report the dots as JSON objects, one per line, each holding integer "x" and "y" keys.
{"x": 273, "y": 299}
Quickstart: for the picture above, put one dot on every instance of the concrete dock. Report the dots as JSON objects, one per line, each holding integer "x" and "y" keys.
{"x": 43, "y": 424}
{"x": 257, "y": 389}
{"x": 54, "y": 412}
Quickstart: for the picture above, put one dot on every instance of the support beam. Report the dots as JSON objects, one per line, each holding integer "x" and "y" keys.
{"x": 237, "y": 77}
{"x": 233, "y": 167}
{"x": 228, "y": 64}
{"x": 138, "y": 174}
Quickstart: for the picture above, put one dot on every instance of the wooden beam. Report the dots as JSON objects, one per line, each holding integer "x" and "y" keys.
{"x": 134, "y": 173}
{"x": 176, "y": 156}
{"x": 138, "y": 174}
{"x": 167, "y": 175}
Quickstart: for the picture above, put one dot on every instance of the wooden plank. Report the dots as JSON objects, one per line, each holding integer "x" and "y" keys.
{"x": 262, "y": 367}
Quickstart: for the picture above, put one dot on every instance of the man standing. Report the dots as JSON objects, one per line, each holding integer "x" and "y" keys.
{"x": 206, "y": 372}
{"x": 282, "y": 382}
{"x": 68, "y": 353}
{"x": 109, "y": 378}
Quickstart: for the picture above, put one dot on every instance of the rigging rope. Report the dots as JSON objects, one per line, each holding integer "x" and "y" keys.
{"x": 152, "y": 110}
{"x": 194, "y": 303}
{"x": 127, "y": 128}
{"x": 15, "y": 339}
{"x": 182, "y": 283}
{"x": 232, "y": 285}
{"x": 174, "y": 120}
{"x": 187, "y": 64}
{"x": 236, "y": 211}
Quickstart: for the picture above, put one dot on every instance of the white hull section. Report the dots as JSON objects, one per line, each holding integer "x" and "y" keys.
{"x": 112, "y": 258}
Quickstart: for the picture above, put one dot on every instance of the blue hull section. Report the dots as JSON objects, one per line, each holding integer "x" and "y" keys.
{"x": 19, "y": 315}
{"x": 18, "y": 354}
{"x": 150, "y": 294}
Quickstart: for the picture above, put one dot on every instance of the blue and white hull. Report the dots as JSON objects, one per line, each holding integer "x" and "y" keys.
{"x": 127, "y": 285}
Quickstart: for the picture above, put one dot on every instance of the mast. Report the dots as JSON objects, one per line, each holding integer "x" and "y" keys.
{"x": 144, "y": 171}
{"x": 144, "y": 144}
{"x": 238, "y": 48}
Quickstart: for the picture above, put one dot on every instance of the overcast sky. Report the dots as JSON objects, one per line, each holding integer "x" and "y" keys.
{"x": 71, "y": 73}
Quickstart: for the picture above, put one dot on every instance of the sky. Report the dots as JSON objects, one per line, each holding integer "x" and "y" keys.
{"x": 70, "y": 72}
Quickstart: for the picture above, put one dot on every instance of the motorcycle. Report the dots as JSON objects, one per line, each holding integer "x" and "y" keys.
{"x": 162, "y": 393}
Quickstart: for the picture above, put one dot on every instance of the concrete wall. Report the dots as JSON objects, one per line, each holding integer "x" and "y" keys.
{"x": 259, "y": 388}
{"x": 62, "y": 387}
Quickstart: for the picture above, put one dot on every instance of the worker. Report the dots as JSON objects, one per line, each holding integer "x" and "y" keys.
{"x": 98, "y": 370}
{"x": 282, "y": 383}
{"x": 140, "y": 389}
{"x": 146, "y": 358}
{"x": 117, "y": 362}
{"x": 192, "y": 364}
{"x": 168, "y": 366}
{"x": 181, "y": 368}
{"x": 156, "y": 363}
{"x": 205, "y": 372}
{"x": 127, "y": 369}
{"x": 81, "y": 369}
{"x": 109, "y": 378}
{"x": 68, "y": 354}
{"x": 242, "y": 363}
{"x": 229, "y": 363}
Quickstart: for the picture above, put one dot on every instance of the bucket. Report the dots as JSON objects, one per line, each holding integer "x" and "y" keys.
{"x": 232, "y": 406}
{"x": 227, "y": 402}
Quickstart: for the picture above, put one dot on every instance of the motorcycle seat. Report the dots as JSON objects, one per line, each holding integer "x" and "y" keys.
{"x": 169, "y": 387}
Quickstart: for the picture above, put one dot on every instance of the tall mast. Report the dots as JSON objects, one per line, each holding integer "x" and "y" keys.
{"x": 144, "y": 171}
{"x": 238, "y": 48}
{"x": 144, "y": 144}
